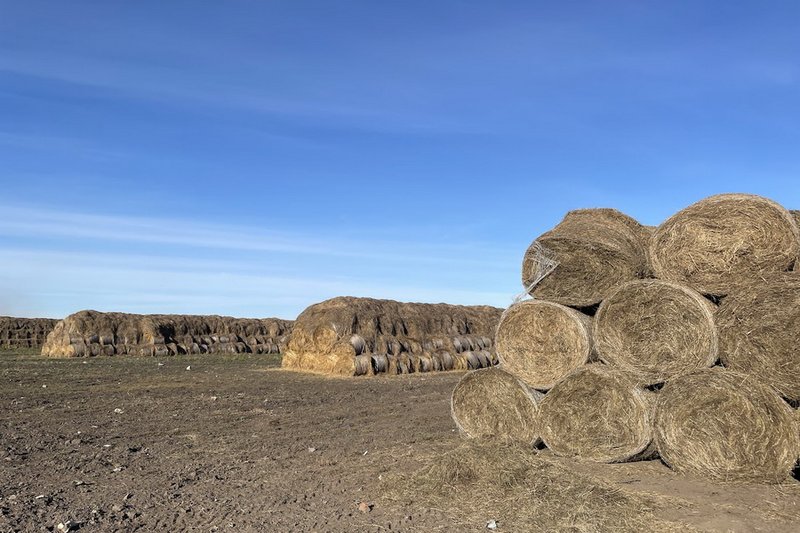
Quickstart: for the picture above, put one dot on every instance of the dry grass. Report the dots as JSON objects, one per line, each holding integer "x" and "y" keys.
{"x": 522, "y": 490}
{"x": 656, "y": 330}
{"x": 596, "y": 249}
{"x": 723, "y": 241}
{"x": 726, "y": 426}
{"x": 540, "y": 342}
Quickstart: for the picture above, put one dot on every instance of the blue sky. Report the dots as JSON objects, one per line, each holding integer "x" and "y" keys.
{"x": 251, "y": 158}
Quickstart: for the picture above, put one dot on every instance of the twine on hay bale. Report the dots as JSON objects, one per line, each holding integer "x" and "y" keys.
{"x": 655, "y": 330}
{"x": 493, "y": 403}
{"x": 726, "y": 426}
{"x": 593, "y": 250}
{"x": 724, "y": 241}
{"x": 598, "y": 413}
{"x": 760, "y": 335}
{"x": 540, "y": 342}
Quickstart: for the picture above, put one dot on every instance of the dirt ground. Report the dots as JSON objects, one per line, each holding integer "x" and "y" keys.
{"x": 234, "y": 443}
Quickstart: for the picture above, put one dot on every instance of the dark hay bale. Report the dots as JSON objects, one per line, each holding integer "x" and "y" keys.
{"x": 597, "y": 413}
{"x": 655, "y": 329}
{"x": 327, "y": 336}
{"x": 540, "y": 342}
{"x": 493, "y": 403}
{"x": 727, "y": 426}
{"x": 759, "y": 333}
{"x": 724, "y": 241}
{"x": 595, "y": 250}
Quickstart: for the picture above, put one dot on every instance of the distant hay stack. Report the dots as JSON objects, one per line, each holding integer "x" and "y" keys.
{"x": 724, "y": 241}
{"x": 759, "y": 330}
{"x": 491, "y": 403}
{"x": 92, "y": 333}
{"x": 593, "y": 250}
{"x": 18, "y": 333}
{"x": 398, "y": 337}
{"x": 540, "y": 342}
{"x": 655, "y": 330}
{"x": 597, "y": 413}
{"x": 726, "y": 426}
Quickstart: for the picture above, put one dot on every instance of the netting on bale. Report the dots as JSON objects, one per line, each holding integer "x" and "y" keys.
{"x": 598, "y": 413}
{"x": 594, "y": 250}
{"x": 24, "y": 332}
{"x": 540, "y": 342}
{"x": 726, "y": 425}
{"x": 759, "y": 332}
{"x": 725, "y": 241}
{"x": 491, "y": 403}
{"x": 92, "y": 333}
{"x": 398, "y": 337}
{"x": 655, "y": 329}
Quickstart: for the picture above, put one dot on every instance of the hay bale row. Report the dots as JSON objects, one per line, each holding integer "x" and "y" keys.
{"x": 24, "y": 332}
{"x": 364, "y": 336}
{"x": 91, "y": 333}
{"x": 629, "y": 356}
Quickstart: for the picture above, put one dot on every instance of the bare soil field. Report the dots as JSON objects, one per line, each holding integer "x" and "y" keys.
{"x": 233, "y": 443}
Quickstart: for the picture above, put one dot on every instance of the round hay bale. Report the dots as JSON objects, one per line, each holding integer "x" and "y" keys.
{"x": 655, "y": 329}
{"x": 493, "y": 403}
{"x": 588, "y": 253}
{"x": 425, "y": 363}
{"x": 759, "y": 334}
{"x": 727, "y": 426}
{"x": 446, "y": 359}
{"x": 380, "y": 364}
{"x": 473, "y": 361}
{"x": 460, "y": 361}
{"x": 598, "y": 413}
{"x": 540, "y": 342}
{"x": 363, "y": 365}
{"x": 723, "y": 241}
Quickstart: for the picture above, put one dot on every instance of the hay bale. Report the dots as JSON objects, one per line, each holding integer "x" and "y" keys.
{"x": 594, "y": 250}
{"x": 18, "y": 333}
{"x": 759, "y": 334}
{"x": 655, "y": 329}
{"x": 727, "y": 426}
{"x": 598, "y": 413}
{"x": 493, "y": 403}
{"x": 724, "y": 241}
{"x": 540, "y": 342}
{"x": 327, "y": 336}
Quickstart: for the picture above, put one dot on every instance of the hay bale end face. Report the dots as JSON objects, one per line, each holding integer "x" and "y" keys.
{"x": 724, "y": 241}
{"x": 412, "y": 337}
{"x": 491, "y": 403}
{"x": 597, "y": 413}
{"x": 726, "y": 426}
{"x": 540, "y": 342}
{"x": 655, "y": 330}
{"x": 759, "y": 331}
{"x": 595, "y": 249}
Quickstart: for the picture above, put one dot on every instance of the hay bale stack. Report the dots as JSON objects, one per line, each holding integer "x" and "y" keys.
{"x": 540, "y": 342}
{"x": 595, "y": 249}
{"x": 759, "y": 332}
{"x": 655, "y": 330}
{"x": 327, "y": 336}
{"x": 597, "y": 413}
{"x": 727, "y": 426}
{"x": 724, "y": 241}
{"x": 18, "y": 333}
{"x": 491, "y": 403}
{"x": 92, "y": 333}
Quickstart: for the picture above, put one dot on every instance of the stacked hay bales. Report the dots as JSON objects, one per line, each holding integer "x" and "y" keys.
{"x": 92, "y": 333}
{"x": 356, "y": 336}
{"x": 16, "y": 333}
{"x": 692, "y": 357}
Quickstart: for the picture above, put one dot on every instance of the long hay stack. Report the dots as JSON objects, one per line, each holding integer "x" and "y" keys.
{"x": 679, "y": 340}
{"x": 18, "y": 333}
{"x": 357, "y": 336}
{"x": 92, "y": 333}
